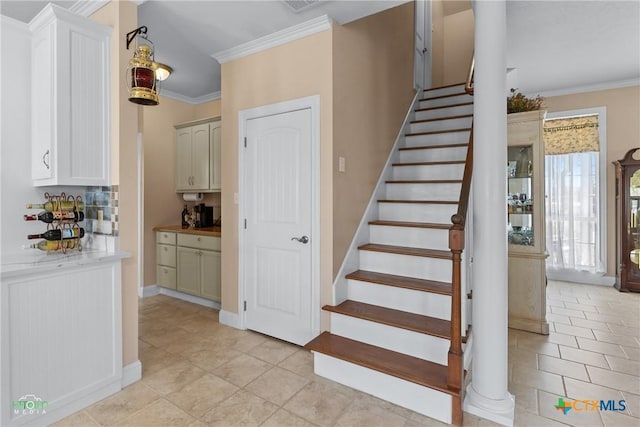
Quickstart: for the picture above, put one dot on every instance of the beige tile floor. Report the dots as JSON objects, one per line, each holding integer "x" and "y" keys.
{"x": 197, "y": 372}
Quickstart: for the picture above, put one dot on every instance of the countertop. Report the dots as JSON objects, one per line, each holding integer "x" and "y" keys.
{"x": 209, "y": 231}
{"x": 34, "y": 261}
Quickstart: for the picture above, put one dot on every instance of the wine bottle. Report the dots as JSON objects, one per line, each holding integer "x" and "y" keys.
{"x": 185, "y": 217}
{"x": 59, "y": 234}
{"x": 64, "y": 206}
{"x": 49, "y": 217}
{"x": 53, "y": 245}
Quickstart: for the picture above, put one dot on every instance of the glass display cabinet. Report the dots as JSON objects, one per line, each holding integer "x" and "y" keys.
{"x": 628, "y": 222}
{"x": 525, "y": 216}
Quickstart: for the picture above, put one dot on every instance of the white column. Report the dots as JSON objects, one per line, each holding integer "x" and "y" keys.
{"x": 487, "y": 395}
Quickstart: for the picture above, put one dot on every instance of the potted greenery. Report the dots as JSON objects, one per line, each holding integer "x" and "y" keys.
{"x": 518, "y": 103}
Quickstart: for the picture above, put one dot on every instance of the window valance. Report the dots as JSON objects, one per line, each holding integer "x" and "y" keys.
{"x": 571, "y": 135}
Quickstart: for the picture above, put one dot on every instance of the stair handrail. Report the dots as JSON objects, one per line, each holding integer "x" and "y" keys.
{"x": 468, "y": 84}
{"x": 455, "y": 360}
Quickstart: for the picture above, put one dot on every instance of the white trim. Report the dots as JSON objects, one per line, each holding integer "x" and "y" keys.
{"x": 140, "y": 182}
{"x": 131, "y": 373}
{"x": 602, "y": 135}
{"x": 501, "y": 411}
{"x": 581, "y": 277}
{"x": 87, "y": 8}
{"x": 230, "y": 319}
{"x": 150, "y": 291}
{"x": 313, "y": 26}
{"x": 351, "y": 259}
{"x": 15, "y": 24}
{"x": 312, "y": 102}
{"x": 213, "y": 96}
{"x": 586, "y": 88}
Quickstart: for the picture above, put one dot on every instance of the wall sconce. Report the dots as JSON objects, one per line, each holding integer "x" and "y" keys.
{"x": 143, "y": 72}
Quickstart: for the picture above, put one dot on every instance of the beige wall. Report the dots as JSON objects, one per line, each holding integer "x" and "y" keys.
{"x": 437, "y": 43}
{"x": 295, "y": 70}
{"x": 122, "y": 16}
{"x": 623, "y": 134}
{"x": 458, "y": 46}
{"x": 162, "y": 205}
{"x": 372, "y": 91}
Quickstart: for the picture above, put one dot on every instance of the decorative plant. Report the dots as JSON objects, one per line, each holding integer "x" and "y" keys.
{"x": 518, "y": 103}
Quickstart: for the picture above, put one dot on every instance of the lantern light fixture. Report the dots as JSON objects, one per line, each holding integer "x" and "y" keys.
{"x": 143, "y": 73}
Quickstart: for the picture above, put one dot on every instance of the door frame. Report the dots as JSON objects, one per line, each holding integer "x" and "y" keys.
{"x": 309, "y": 102}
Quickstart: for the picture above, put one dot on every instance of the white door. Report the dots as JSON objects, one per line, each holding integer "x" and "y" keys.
{"x": 278, "y": 210}
{"x": 422, "y": 45}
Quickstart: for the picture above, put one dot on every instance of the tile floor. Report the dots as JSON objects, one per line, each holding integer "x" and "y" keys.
{"x": 197, "y": 372}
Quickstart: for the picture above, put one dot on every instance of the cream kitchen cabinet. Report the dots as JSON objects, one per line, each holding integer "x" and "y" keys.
{"x": 70, "y": 99}
{"x": 198, "y": 260}
{"x": 198, "y": 146}
{"x": 166, "y": 259}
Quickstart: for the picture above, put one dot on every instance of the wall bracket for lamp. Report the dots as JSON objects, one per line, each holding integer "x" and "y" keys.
{"x": 140, "y": 31}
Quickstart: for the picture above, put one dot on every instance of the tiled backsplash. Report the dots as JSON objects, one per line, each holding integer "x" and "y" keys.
{"x": 101, "y": 210}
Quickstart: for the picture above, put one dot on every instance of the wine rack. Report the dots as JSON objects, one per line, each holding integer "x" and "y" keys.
{"x": 66, "y": 214}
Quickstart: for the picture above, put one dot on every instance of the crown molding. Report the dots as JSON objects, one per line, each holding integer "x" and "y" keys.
{"x": 14, "y": 23}
{"x": 213, "y": 96}
{"x": 278, "y": 38}
{"x": 586, "y": 88}
{"x": 87, "y": 8}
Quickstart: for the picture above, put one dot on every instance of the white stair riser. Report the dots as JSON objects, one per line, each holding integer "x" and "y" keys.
{"x": 447, "y": 191}
{"x": 420, "y": 172}
{"x": 416, "y": 212}
{"x": 433, "y": 154}
{"x": 444, "y": 112}
{"x": 436, "y": 139}
{"x": 431, "y": 126}
{"x": 400, "y": 340}
{"x": 412, "y": 301}
{"x": 427, "y": 238}
{"x": 423, "y": 400}
{"x": 406, "y": 265}
{"x": 443, "y": 91}
{"x": 450, "y": 100}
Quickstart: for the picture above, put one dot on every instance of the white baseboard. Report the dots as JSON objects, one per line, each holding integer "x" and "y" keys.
{"x": 230, "y": 319}
{"x": 149, "y": 291}
{"x": 152, "y": 290}
{"x": 131, "y": 373}
{"x": 580, "y": 277}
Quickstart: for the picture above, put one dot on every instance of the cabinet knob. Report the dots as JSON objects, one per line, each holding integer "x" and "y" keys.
{"x": 164, "y": 270}
{"x": 199, "y": 239}
{"x": 165, "y": 249}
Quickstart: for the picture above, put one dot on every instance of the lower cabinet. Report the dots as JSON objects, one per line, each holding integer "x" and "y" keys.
{"x": 191, "y": 265}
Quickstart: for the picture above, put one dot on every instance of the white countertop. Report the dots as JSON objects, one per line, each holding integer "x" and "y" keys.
{"x": 33, "y": 261}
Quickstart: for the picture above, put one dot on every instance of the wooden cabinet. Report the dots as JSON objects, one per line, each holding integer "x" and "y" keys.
{"x": 198, "y": 148}
{"x": 70, "y": 99}
{"x": 526, "y": 227}
{"x": 189, "y": 263}
{"x": 628, "y": 222}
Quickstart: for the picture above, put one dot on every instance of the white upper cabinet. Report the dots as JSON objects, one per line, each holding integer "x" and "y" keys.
{"x": 70, "y": 99}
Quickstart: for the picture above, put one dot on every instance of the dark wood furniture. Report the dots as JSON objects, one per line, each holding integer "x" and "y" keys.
{"x": 628, "y": 222}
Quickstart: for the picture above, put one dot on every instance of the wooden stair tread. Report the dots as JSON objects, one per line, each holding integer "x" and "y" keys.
{"x": 443, "y": 87}
{"x": 406, "y": 250}
{"x": 426, "y": 202}
{"x": 432, "y": 286}
{"x": 427, "y": 147}
{"x": 424, "y": 181}
{"x": 411, "y": 224}
{"x": 461, "y": 104}
{"x": 396, "y": 318}
{"x": 449, "y": 95}
{"x": 438, "y": 119}
{"x": 441, "y": 162}
{"x": 437, "y": 132}
{"x": 408, "y": 368}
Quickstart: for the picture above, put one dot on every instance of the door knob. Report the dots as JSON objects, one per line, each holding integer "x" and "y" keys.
{"x": 303, "y": 239}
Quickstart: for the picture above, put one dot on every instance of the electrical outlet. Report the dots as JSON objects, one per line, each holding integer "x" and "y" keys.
{"x": 342, "y": 166}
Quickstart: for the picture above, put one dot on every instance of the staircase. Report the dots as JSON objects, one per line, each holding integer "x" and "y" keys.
{"x": 392, "y": 335}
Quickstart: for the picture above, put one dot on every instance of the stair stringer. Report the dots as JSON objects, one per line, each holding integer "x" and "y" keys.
{"x": 351, "y": 260}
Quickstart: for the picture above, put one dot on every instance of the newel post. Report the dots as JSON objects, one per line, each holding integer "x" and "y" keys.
{"x": 455, "y": 361}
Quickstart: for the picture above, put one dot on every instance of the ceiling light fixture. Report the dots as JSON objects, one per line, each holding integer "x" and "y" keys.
{"x": 143, "y": 73}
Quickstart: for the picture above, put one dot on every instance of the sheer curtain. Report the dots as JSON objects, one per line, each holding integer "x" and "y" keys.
{"x": 572, "y": 188}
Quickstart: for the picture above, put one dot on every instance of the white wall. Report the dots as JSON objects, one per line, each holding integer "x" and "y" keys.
{"x": 16, "y": 189}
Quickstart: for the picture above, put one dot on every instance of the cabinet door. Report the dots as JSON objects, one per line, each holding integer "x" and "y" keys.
{"x": 42, "y": 119}
{"x": 183, "y": 159}
{"x": 188, "y": 270}
{"x": 200, "y": 157}
{"x": 210, "y": 275}
{"x": 215, "y": 139}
